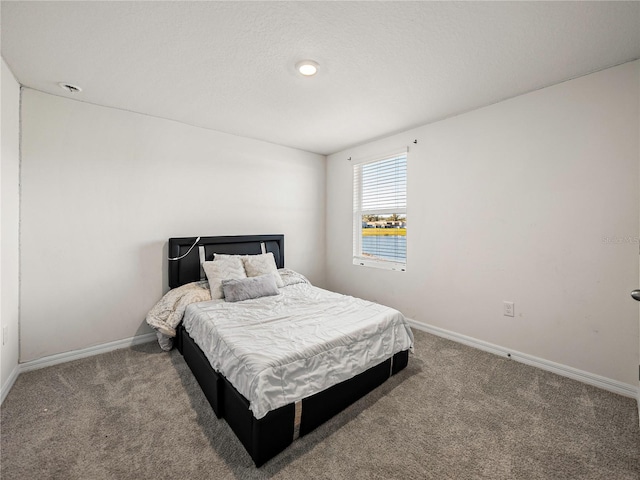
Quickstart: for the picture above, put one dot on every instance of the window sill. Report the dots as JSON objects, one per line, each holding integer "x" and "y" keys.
{"x": 367, "y": 262}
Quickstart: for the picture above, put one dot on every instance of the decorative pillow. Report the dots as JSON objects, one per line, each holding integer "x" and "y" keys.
{"x": 264, "y": 264}
{"x": 219, "y": 269}
{"x": 247, "y": 288}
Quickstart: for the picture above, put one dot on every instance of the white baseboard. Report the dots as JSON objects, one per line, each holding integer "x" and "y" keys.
{"x": 564, "y": 370}
{"x": 85, "y": 352}
{"x": 73, "y": 355}
{"x": 9, "y": 383}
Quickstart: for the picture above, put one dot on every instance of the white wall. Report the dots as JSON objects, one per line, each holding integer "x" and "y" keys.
{"x": 515, "y": 202}
{"x": 9, "y": 175}
{"x": 103, "y": 190}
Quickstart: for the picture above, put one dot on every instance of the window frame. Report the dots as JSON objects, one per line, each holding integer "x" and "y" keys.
{"x": 358, "y": 212}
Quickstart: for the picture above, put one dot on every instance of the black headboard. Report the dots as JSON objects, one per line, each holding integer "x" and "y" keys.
{"x": 187, "y": 269}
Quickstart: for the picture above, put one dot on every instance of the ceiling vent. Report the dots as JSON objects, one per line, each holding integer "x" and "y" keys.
{"x": 70, "y": 88}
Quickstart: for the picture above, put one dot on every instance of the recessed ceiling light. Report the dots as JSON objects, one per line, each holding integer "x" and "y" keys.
{"x": 69, "y": 88}
{"x": 307, "y": 68}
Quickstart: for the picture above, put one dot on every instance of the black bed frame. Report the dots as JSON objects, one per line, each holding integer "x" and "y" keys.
{"x": 268, "y": 436}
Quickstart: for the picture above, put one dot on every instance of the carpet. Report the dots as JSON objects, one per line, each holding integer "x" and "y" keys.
{"x": 454, "y": 413}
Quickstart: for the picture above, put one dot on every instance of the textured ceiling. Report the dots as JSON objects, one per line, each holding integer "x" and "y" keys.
{"x": 384, "y": 66}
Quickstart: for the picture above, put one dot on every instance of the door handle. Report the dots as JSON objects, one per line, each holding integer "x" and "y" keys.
{"x": 636, "y": 295}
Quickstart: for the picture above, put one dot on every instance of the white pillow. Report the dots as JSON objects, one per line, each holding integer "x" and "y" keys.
{"x": 223, "y": 268}
{"x": 264, "y": 264}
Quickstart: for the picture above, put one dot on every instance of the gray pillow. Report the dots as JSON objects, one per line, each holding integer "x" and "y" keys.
{"x": 236, "y": 290}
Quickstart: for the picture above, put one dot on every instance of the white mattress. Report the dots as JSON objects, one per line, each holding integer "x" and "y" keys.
{"x": 280, "y": 349}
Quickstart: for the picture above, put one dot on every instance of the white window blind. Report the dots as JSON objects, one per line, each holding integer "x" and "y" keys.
{"x": 380, "y": 212}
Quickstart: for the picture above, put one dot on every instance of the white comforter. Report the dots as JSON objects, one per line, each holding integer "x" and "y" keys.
{"x": 280, "y": 349}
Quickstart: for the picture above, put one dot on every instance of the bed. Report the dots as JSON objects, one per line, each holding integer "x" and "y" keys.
{"x": 263, "y": 435}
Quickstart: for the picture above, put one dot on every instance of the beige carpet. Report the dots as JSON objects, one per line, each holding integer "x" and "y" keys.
{"x": 454, "y": 413}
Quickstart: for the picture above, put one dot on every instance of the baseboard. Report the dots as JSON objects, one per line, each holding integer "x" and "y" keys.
{"x": 9, "y": 383}
{"x": 73, "y": 355}
{"x": 564, "y": 370}
{"x": 85, "y": 352}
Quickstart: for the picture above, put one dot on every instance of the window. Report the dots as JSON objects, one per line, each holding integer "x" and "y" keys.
{"x": 380, "y": 212}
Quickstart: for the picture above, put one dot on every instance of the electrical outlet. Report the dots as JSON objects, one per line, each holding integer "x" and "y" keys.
{"x": 5, "y": 334}
{"x": 508, "y": 309}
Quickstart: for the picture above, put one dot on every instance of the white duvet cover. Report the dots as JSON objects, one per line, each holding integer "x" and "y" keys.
{"x": 280, "y": 349}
